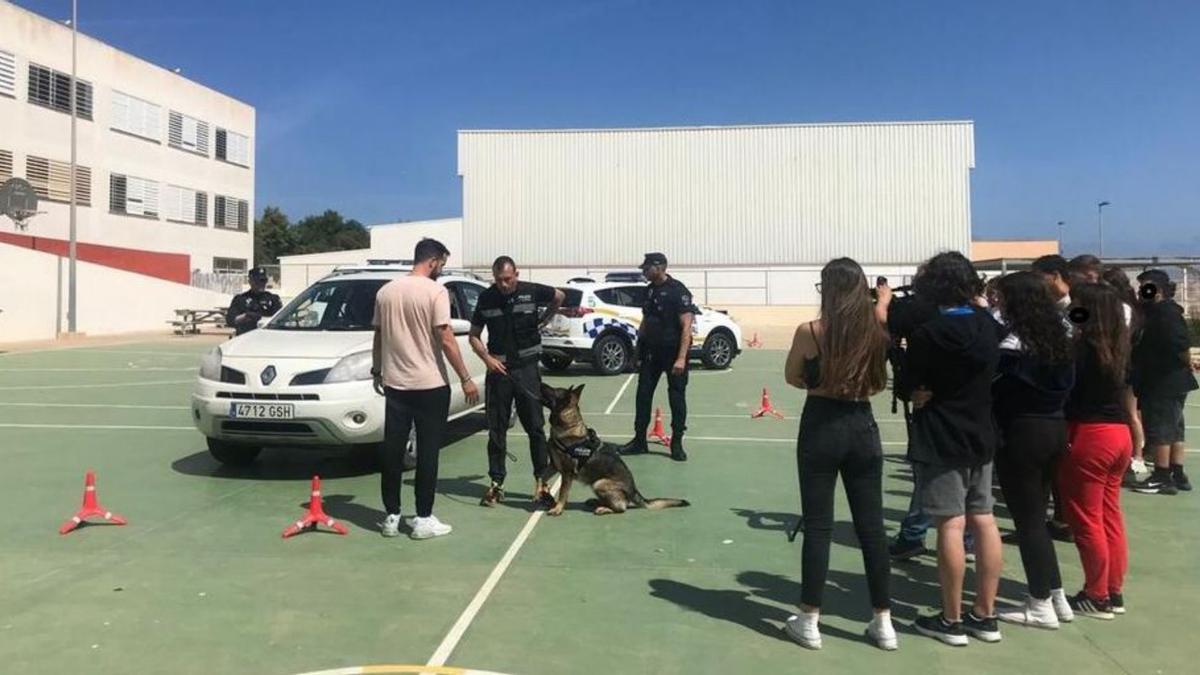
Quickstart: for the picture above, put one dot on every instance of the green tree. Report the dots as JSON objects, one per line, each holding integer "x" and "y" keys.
{"x": 273, "y": 237}
{"x": 329, "y": 232}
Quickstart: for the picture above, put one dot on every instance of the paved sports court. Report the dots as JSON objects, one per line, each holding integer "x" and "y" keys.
{"x": 201, "y": 582}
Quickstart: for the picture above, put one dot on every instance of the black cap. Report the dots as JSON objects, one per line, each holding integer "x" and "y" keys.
{"x": 258, "y": 273}
{"x": 654, "y": 259}
{"x": 1155, "y": 277}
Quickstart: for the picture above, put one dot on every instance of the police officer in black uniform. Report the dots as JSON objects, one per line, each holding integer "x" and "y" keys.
{"x": 247, "y": 308}
{"x": 509, "y": 311}
{"x": 664, "y": 339}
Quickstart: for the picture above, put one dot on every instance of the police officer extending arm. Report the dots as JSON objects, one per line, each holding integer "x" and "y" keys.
{"x": 664, "y": 340}
{"x": 247, "y": 308}
{"x": 509, "y": 311}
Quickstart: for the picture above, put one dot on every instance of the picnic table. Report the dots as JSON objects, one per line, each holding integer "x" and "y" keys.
{"x": 190, "y": 321}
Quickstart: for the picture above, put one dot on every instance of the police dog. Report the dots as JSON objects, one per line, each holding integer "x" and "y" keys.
{"x": 576, "y": 453}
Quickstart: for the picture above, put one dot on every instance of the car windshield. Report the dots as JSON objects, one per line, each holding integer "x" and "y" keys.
{"x": 338, "y": 304}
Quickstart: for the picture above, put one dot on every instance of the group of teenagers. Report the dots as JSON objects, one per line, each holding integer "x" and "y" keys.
{"x": 1052, "y": 381}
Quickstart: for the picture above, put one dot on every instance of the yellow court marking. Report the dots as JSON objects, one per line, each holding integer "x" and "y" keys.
{"x": 401, "y": 670}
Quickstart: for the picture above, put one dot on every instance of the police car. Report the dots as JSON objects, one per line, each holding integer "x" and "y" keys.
{"x": 598, "y": 324}
{"x": 304, "y": 377}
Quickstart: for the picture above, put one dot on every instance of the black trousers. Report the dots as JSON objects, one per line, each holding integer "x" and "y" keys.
{"x": 655, "y": 362}
{"x": 841, "y": 437}
{"x": 1025, "y": 464}
{"x": 522, "y": 385}
{"x": 427, "y": 409}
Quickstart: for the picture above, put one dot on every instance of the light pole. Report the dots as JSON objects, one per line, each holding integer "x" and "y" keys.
{"x": 71, "y": 313}
{"x": 1060, "y": 231}
{"x": 1100, "y": 225}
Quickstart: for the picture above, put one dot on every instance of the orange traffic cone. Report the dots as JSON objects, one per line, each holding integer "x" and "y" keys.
{"x": 316, "y": 515}
{"x": 658, "y": 433}
{"x": 765, "y": 408}
{"x": 91, "y": 507}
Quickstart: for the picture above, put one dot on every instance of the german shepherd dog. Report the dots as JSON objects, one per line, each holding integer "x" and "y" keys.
{"x": 576, "y": 453}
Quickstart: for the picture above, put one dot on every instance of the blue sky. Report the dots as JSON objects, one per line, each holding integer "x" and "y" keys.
{"x": 358, "y": 101}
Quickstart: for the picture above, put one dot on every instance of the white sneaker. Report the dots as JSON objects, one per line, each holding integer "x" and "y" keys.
{"x": 428, "y": 528}
{"x": 1062, "y": 608}
{"x": 803, "y": 628}
{"x": 1035, "y": 613}
{"x": 881, "y": 632}
{"x": 390, "y": 527}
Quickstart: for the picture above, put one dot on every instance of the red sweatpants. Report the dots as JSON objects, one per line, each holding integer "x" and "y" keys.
{"x": 1089, "y": 480}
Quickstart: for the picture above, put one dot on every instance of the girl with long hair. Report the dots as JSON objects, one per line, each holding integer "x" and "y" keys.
{"x": 841, "y": 360}
{"x": 1034, "y": 378}
{"x": 1089, "y": 476}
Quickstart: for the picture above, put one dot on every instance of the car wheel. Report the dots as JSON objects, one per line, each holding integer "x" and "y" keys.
{"x": 718, "y": 351}
{"x": 233, "y": 454}
{"x": 611, "y": 355}
{"x": 556, "y": 363}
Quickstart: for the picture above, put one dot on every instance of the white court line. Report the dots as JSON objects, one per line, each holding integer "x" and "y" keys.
{"x": 620, "y": 393}
{"x": 93, "y": 386}
{"x": 446, "y": 648}
{"x": 724, "y": 416}
{"x": 117, "y": 406}
{"x": 100, "y": 427}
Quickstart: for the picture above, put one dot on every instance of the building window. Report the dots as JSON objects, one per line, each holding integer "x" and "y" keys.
{"x": 233, "y": 148}
{"x": 5, "y": 165}
{"x": 52, "y": 89}
{"x": 135, "y": 116}
{"x": 52, "y": 180}
{"x": 229, "y": 265}
{"x": 184, "y": 205}
{"x": 132, "y": 196}
{"x": 187, "y": 133}
{"x": 8, "y": 74}
{"x": 230, "y": 213}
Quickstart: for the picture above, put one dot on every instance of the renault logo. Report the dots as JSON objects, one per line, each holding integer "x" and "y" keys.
{"x": 268, "y": 375}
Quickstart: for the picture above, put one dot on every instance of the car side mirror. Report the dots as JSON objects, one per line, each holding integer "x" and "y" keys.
{"x": 460, "y": 326}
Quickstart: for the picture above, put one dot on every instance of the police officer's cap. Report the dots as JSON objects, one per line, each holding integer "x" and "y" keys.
{"x": 654, "y": 260}
{"x": 258, "y": 273}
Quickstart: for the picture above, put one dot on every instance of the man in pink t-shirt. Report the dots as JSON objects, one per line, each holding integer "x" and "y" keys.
{"x": 413, "y": 341}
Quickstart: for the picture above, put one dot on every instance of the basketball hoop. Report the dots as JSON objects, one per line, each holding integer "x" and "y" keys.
{"x": 18, "y": 201}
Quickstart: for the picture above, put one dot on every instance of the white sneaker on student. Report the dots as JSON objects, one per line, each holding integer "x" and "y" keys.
{"x": 882, "y": 633}
{"x": 1062, "y": 608}
{"x": 1035, "y": 613}
{"x": 803, "y": 628}
{"x": 428, "y": 528}
{"x": 390, "y": 527}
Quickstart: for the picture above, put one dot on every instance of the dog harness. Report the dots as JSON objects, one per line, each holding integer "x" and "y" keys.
{"x": 582, "y": 450}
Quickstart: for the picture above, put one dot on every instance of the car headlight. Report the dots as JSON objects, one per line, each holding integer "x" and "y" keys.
{"x": 210, "y": 365}
{"x": 351, "y": 368}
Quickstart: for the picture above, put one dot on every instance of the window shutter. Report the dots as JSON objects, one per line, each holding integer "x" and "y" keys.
{"x": 135, "y": 116}
{"x": 221, "y": 144}
{"x": 6, "y": 165}
{"x": 8, "y": 74}
{"x": 51, "y": 180}
{"x": 187, "y": 133}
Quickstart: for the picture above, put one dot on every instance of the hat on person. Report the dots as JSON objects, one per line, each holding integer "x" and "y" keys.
{"x": 258, "y": 273}
{"x": 654, "y": 260}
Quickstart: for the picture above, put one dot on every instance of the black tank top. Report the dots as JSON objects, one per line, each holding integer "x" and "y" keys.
{"x": 812, "y": 367}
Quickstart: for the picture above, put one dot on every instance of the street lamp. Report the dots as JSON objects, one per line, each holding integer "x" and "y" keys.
{"x": 1060, "y": 231}
{"x": 1100, "y": 224}
{"x": 72, "y": 325}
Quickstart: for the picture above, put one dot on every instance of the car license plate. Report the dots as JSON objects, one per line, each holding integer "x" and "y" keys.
{"x": 262, "y": 411}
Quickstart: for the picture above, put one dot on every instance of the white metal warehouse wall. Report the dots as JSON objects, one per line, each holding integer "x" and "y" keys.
{"x": 766, "y": 195}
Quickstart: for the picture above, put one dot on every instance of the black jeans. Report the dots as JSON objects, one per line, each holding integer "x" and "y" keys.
{"x": 841, "y": 437}
{"x": 523, "y": 385}
{"x": 655, "y": 362}
{"x": 1025, "y": 464}
{"x": 427, "y": 409}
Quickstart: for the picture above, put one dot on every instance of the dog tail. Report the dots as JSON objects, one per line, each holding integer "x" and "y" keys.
{"x": 666, "y": 503}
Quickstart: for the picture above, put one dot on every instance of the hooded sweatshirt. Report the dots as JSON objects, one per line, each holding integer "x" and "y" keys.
{"x": 954, "y": 356}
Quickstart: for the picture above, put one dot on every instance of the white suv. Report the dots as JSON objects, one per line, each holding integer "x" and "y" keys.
{"x": 598, "y": 323}
{"x": 304, "y": 377}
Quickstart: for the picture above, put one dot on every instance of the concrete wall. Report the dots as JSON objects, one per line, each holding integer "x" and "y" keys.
{"x": 995, "y": 249}
{"x": 29, "y": 129}
{"x": 297, "y": 272}
{"x": 397, "y": 240}
{"x": 109, "y": 301}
